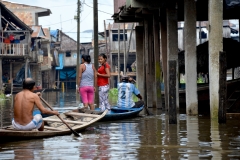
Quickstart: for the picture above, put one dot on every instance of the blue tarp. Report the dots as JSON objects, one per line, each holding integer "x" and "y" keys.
{"x": 21, "y": 75}
{"x": 65, "y": 73}
{"x": 60, "y": 57}
{"x": 68, "y": 74}
{"x": 54, "y": 33}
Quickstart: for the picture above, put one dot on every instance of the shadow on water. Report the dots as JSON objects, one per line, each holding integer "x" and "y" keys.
{"x": 144, "y": 137}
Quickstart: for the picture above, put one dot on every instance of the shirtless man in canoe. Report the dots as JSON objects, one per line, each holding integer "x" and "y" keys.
{"x": 24, "y": 102}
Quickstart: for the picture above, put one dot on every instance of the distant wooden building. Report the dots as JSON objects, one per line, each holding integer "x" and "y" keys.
{"x": 27, "y": 13}
{"x": 67, "y": 54}
{"x": 129, "y": 48}
{"x": 15, "y": 42}
{"x": 39, "y": 42}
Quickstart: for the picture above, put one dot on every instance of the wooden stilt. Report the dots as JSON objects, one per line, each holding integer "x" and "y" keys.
{"x": 172, "y": 92}
{"x": 222, "y": 88}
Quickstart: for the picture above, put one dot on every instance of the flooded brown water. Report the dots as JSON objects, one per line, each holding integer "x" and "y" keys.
{"x": 144, "y": 137}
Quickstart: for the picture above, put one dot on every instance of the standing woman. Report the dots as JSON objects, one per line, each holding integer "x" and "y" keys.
{"x": 103, "y": 75}
{"x": 87, "y": 80}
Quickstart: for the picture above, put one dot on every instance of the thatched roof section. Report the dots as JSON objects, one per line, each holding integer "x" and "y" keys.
{"x": 230, "y": 46}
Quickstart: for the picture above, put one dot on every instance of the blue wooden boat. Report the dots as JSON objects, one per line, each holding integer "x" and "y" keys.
{"x": 117, "y": 113}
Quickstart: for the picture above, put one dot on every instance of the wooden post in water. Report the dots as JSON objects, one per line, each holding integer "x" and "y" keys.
{"x": 158, "y": 71}
{"x": 163, "y": 30}
{"x": 95, "y": 29}
{"x": 119, "y": 70}
{"x": 148, "y": 65}
{"x": 124, "y": 57}
{"x": 140, "y": 59}
{"x": 172, "y": 91}
{"x": 172, "y": 45}
{"x": 222, "y": 87}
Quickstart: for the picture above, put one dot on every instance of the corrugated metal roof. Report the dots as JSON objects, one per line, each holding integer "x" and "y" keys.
{"x": 37, "y": 32}
{"x": 26, "y": 13}
{"x": 14, "y": 5}
{"x": 47, "y": 33}
{"x": 128, "y": 26}
{"x": 117, "y": 4}
{"x": 8, "y": 15}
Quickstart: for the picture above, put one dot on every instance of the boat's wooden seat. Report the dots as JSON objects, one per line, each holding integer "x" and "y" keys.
{"x": 53, "y": 128}
{"x": 67, "y": 121}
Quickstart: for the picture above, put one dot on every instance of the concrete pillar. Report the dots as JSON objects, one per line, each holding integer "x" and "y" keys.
{"x": 190, "y": 57}
{"x": 172, "y": 45}
{"x": 163, "y": 32}
{"x": 158, "y": 71}
{"x": 148, "y": 73}
{"x": 215, "y": 46}
{"x": 140, "y": 58}
{"x": 1, "y": 74}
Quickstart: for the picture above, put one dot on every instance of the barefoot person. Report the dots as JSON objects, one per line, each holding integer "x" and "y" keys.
{"x": 24, "y": 102}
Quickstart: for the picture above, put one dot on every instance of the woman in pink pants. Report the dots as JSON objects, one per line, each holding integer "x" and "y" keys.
{"x": 87, "y": 80}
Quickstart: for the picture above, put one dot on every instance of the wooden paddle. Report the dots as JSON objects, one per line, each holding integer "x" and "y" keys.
{"x": 74, "y": 132}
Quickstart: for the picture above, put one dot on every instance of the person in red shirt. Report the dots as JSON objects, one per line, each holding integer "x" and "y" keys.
{"x": 103, "y": 82}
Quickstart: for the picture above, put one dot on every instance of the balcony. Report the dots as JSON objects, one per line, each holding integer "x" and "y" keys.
{"x": 13, "y": 50}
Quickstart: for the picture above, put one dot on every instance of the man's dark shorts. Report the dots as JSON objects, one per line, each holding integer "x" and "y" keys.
{"x": 138, "y": 104}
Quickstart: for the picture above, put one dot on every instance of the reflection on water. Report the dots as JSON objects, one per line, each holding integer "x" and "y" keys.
{"x": 144, "y": 137}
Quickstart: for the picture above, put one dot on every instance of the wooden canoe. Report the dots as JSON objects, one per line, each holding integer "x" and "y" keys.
{"x": 117, "y": 113}
{"x": 54, "y": 126}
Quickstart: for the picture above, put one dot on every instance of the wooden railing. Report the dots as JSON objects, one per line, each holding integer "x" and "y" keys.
{"x": 13, "y": 49}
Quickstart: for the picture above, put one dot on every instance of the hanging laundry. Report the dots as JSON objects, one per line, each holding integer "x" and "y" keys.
{"x": 7, "y": 40}
{"x": 11, "y": 37}
{"x": 22, "y": 37}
